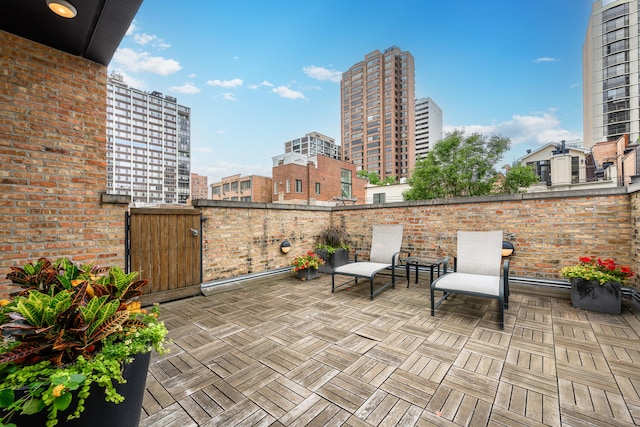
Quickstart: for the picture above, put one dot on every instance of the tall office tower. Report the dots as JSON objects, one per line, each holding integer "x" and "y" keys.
{"x": 610, "y": 69}
{"x": 428, "y": 126}
{"x": 148, "y": 145}
{"x": 314, "y": 143}
{"x": 378, "y": 113}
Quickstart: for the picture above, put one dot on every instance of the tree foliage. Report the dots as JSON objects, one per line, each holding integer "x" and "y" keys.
{"x": 374, "y": 178}
{"x": 458, "y": 166}
{"x": 518, "y": 178}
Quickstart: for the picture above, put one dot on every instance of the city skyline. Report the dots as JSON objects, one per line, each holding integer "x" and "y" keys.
{"x": 256, "y": 75}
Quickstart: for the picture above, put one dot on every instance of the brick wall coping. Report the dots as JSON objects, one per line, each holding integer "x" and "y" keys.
{"x": 611, "y": 191}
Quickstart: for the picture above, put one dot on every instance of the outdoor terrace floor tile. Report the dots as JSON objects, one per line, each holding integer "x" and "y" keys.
{"x": 286, "y": 352}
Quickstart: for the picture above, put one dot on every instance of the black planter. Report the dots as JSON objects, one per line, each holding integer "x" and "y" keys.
{"x": 307, "y": 274}
{"x": 99, "y": 412}
{"x": 591, "y": 295}
{"x": 336, "y": 259}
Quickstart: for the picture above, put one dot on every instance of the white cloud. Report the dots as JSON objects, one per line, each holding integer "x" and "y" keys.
{"x": 285, "y": 92}
{"x": 264, "y": 83}
{"x": 135, "y": 62}
{"x": 545, "y": 59}
{"x": 187, "y": 88}
{"x": 225, "y": 83}
{"x": 204, "y": 149}
{"x": 143, "y": 38}
{"x": 321, "y": 73}
{"x": 132, "y": 28}
{"x": 227, "y": 96}
{"x": 538, "y": 129}
{"x": 132, "y": 81}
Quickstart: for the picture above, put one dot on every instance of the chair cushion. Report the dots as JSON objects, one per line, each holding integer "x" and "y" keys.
{"x": 363, "y": 268}
{"x": 470, "y": 283}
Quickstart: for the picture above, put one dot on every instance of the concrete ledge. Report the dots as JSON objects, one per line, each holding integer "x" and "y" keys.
{"x": 243, "y": 282}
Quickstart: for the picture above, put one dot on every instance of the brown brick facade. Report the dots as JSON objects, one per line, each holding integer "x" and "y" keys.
{"x": 325, "y": 176}
{"x": 549, "y": 231}
{"x": 53, "y": 156}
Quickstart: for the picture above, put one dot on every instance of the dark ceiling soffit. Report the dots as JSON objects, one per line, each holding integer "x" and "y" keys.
{"x": 94, "y": 34}
{"x": 111, "y": 25}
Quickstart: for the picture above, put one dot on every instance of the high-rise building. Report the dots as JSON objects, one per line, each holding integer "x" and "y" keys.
{"x": 610, "y": 68}
{"x": 314, "y": 143}
{"x": 378, "y": 113}
{"x": 428, "y": 126}
{"x": 199, "y": 186}
{"x": 148, "y": 145}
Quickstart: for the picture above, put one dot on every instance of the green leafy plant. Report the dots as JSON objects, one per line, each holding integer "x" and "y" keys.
{"x": 592, "y": 268}
{"x": 332, "y": 238}
{"x": 308, "y": 260}
{"x": 70, "y": 326}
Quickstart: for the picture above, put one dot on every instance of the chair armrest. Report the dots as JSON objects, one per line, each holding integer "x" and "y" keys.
{"x": 505, "y": 272}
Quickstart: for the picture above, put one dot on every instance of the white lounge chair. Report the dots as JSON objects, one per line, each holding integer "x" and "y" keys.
{"x": 478, "y": 260}
{"x": 384, "y": 254}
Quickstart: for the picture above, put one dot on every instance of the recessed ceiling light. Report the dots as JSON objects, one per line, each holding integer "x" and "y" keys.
{"x": 62, "y": 8}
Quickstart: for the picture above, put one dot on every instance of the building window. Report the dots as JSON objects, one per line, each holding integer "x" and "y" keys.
{"x": 317, "y": 188}
{"x": 216, "y": 190}
{"x": 379, "y": 197}
{"x": 245, "y": 185}
{"x": 298, "y": 186}
{"x": 288, "y": 186}
{"x": 542, "y": 168}
{"x": 275, "y": 188}
{"x": 225, "y": 188}
{"x": 575, "y": 169}
{"x": 345, "y": 183}
{"x": 234, "y": 186}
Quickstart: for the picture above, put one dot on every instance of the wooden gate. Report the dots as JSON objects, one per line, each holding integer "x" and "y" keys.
{"x": 165, "y": 246}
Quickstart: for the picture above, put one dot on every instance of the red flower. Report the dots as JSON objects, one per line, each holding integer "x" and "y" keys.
{"x": 585, "y": 259}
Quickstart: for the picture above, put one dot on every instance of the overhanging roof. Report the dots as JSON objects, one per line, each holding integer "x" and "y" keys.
{"x": 95, "y": 33}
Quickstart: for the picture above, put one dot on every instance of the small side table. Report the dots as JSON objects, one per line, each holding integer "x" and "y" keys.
{"x": 423, "y": 263}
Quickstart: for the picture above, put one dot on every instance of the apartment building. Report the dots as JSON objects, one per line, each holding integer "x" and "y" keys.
{"x": 148, "y": 145}
{"x": 199, "y": 186}
{"x": 316, "y": 180}
{"x": 314, "y": 143}
{"x": 611, "y": 65}
{"x": 253, "y": 188}
{"x": 378, "y": 113}
{"x": 428, "y": 126}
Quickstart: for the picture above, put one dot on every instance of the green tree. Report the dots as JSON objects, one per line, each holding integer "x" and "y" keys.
{"x": 372, "y": 176}
{"x": 458, "y": 166}
{"x": 517, "y": 178}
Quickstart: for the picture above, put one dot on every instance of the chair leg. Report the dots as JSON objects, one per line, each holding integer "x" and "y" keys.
{"x": 333, "y": 282}
{"x": 501, "y": 302}
{"x": 433, "y": 309}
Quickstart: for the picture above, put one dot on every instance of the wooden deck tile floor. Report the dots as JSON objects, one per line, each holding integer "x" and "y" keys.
{"x": 291, "y": 353}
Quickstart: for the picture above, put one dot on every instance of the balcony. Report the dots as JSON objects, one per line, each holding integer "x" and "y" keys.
{"x": 287, "y": 352}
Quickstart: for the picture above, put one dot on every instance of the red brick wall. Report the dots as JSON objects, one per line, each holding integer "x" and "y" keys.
{"x": 327, "y": 173}
{"x": 53, "y": 157}
{"x": 549, "y": 231}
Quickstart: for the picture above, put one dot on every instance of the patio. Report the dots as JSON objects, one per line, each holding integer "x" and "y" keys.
{"x": 286, "y": 352}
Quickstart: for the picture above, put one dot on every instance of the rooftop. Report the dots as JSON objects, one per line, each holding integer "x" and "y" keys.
{"x": 284, "y": 352}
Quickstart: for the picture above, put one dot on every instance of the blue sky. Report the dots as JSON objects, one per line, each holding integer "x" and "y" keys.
{"x": 258, "y": 73}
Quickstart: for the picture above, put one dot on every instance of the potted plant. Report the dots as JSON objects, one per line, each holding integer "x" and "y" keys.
{"x": 596, "y": 284}
{"x": 306, "y": 266}
{"x": 70, "y": 339}
{"x": 333, "y": 247}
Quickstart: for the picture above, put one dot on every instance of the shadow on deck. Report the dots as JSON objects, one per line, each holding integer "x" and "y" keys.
{"x": 291, "y": 353}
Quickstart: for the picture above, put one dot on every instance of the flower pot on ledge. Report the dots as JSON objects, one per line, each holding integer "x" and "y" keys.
{"x": 591, "y": 295}
{"x": 307, "y": 273}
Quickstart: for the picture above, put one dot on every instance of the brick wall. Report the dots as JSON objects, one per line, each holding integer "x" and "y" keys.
{"x": 53, "y": 156}
{"x": 549, "y": 230}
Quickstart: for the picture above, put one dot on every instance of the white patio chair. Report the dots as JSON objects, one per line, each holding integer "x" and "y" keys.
{"x": 384, "y": 254}
{"x": 478, "y": 259}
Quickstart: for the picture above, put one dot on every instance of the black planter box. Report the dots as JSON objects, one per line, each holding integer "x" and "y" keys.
{"x": 338, "y": 258}
{"x": 591, "y": 295}
{"x": 99, "y": 412}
